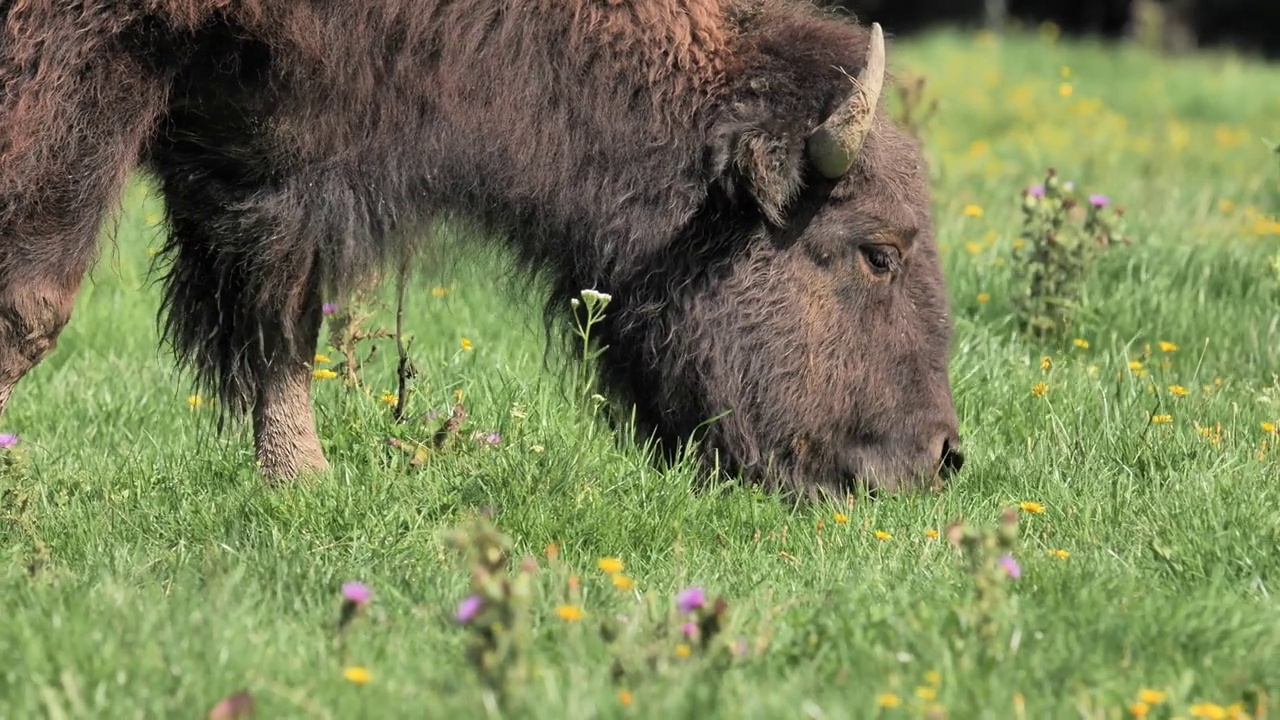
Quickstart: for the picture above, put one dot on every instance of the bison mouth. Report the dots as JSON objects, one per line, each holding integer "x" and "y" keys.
{"x": 874, "y": 467}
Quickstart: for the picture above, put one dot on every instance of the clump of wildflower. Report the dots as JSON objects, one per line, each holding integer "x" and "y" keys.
{"x": 8, "y": 440}
{"x": 1039, "y": 389}
{"x": 704, "y": 620}
{"x": 1178, "y": 390}
{"x": 1064, "y": 241}
{"x": 328, "y": 308}
{"x": 1081, "y": 343}
{"x": 840, "y": 518}
{"x": 610, "y": 565}
{"x": 989, "y": 556}
{"x": 1167, "y": 347}
{"x": 324, "y": 374}
{"x": 931, "y": 534}
{"x": 1031, "y": 506}
{"x": 1059, "y": 553}
{"x": 883, "y": 535}
{"x": 1162, "y": 419}
{"x": 973, "y": 210}
{"x": 496, "y": 612}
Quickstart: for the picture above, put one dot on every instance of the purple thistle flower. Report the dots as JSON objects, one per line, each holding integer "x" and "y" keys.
{"x": 329, "y": 308}
{"x": 469, "y": 607}
{"x": 689, "y": 629}
{"x": 1036, "y": 190}
{"x": 356, "y": 592}
{"x": 8, "y": 440}
{"x": 1099, "y": 200}
{"x": 493, "y": 438}
{"x": 690, "y": 599}
{"x": 1011, "y": 566}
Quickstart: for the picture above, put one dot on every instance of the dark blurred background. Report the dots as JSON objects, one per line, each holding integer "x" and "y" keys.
{"x": 1250, "y": 26}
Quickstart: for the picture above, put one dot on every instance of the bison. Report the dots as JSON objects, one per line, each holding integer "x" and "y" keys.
{"x": 724, "y": 169}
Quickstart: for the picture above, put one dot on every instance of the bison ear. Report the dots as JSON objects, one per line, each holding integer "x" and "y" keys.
{"x": 767, "y": 163}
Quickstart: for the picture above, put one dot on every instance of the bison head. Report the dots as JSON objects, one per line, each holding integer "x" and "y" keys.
{"x": 801, "y": 331}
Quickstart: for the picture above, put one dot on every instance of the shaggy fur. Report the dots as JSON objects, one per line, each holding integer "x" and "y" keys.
{"x": 653, "y": 149}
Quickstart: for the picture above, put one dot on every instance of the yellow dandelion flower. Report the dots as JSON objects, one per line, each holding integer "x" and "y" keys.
{"x": 610, "y": 565}
{"x": 931, "y": 534}
{"x": 1166, "y": 346}
{"x": 1210, "y": 711}
{"x": 882, "y": 535}
{"x": 1039, "y": 389}
{"x": 1081, "y": 343}
{"x": 1178, "y": 390}
{"x": 324, "y": 374}
{"x": 888, "y": 700}
{"x": 622, "y": 582}
{"x": 195, "y": 401}
{"x": 1268, "y": 427}
{"x": 926, "y": 693}
{"x": 322, "y": 358}
{"x": 933, "y": 677}
{"x": 357, "y": 675}
{"x": 439, "y": 291}
{"x": 973, "y": 248}
{"x": 1031, "y": 506}
{"x": 983, "y": 298}
{"x": 683, "y": 650}
{"x": 1065, "y": 90}
{"x": 1226, "y": 206}
{"x": 1045, "y": 363}
{"x": 1135, "y": 365}
{"x": 389, "y": 398}
{"x": 569, "y": 613}
{"x": 841, "y": 518}
{"x": 1139, "y": 709}
{"x": 625, "y": 697}
{"x": 466, "y": 344}
{"x": 1060, "y": 554}
{"x": 1235, "y": 711}
{"x": 1151, "y": 697}
{"x": 973, "y": 210}
{"x": 1161, "y": 419}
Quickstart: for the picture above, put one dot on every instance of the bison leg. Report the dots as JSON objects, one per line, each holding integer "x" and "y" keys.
{"x": 71, "y": 125}
{"x": 244, "y": 318}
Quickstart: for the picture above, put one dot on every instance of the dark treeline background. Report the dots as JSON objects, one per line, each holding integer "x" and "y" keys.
{"x": 1251, "y": 26}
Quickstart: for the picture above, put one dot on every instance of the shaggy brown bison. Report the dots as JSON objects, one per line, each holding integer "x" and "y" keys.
{"x": 723, "y": 168}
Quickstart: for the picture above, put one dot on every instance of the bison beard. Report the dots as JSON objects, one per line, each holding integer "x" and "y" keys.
{"x": 723, "y": 168}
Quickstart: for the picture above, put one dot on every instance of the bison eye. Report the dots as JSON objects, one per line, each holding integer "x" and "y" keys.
{"x": 881, "y": 258}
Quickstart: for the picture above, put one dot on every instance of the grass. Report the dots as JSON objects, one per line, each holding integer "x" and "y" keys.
{"x": 147, "y": 573}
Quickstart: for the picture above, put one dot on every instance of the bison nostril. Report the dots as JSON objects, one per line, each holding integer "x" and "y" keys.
{"x": 952, "y": 458}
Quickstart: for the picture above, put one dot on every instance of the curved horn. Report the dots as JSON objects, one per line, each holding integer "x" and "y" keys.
{"x": 834, "y": 146}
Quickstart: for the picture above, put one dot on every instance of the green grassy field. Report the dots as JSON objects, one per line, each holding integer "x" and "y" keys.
{"x": 147, "y": 573}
